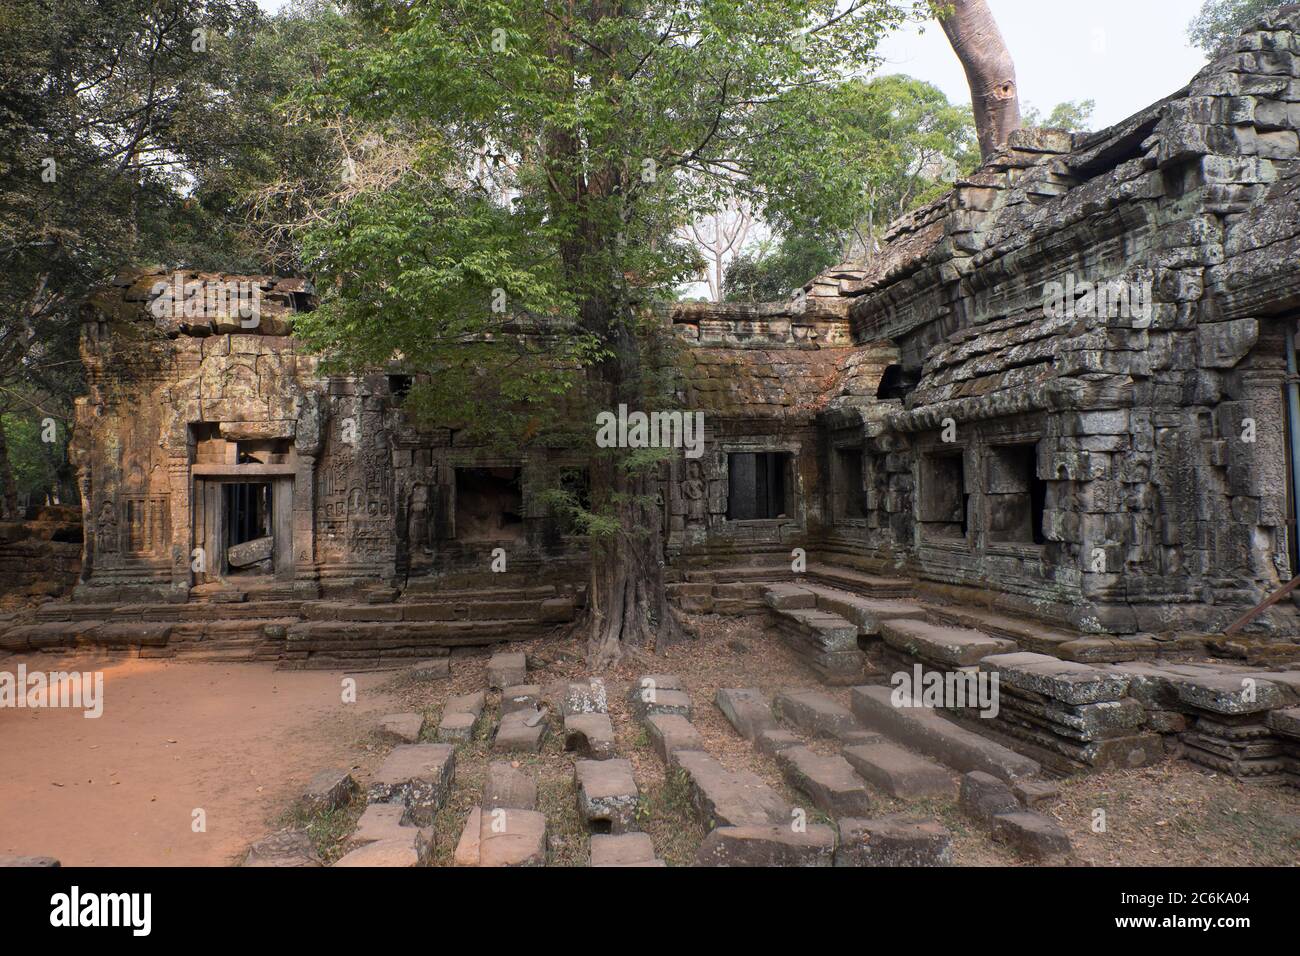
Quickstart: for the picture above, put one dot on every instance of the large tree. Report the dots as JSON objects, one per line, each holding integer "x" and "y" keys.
{"x": 990, "y": 70}
{"x": 111, "y": 114}
{"x": 555, "y": 150}
{"x": 1219, "y": 21}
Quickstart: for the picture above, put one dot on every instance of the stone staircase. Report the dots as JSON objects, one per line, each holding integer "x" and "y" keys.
{"x": 386, "y": 630}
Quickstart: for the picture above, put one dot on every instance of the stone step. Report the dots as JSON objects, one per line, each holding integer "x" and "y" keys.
{"x": 1032, "y": 635}
{"x": 1066, "y": 681}
{"x": 829, "y": 780}
{"x": 726, "y": 798}
{"x": 815, "y": 713}
{"x": 509, "y": 787}
{"x": 747, "y": 709}
{"x": 900, "y": 773}
{"x": 924, "y": 730}
{"x": 460, "y": 717}
{"x": 865, "y": 612}
{"x": 950, "y": 646}
{"x": 859, "y": 582}
{"x": 730, "y": 575}
{"x": 521, "y": 731}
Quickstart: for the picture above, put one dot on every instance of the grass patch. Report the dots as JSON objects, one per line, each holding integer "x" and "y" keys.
{"x": 665, "y": 812}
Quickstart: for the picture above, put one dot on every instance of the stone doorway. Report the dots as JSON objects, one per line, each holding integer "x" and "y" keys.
{"x": 243, "y": 526}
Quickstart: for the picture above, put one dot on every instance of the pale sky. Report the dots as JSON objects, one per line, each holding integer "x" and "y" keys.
{"x": 1125, "y": 54}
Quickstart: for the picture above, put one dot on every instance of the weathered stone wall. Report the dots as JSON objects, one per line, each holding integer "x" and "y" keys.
{"x": 40, "y": 557}
{"x": 1159, "y": 437}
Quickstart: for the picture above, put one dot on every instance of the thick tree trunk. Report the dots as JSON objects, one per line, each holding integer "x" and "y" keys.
{"x": 990, "y": 71}
{"x": 8, "y": 487}
{"x": 627, "y": 600}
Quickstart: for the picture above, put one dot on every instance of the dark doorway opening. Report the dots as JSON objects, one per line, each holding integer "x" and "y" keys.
{"x": 1017, "y": 497}
{"x": 849, "y": 491}
{"x": 757, "y": 485}
{"x": 248, "y": 511}
{"x": 489, "y": 504}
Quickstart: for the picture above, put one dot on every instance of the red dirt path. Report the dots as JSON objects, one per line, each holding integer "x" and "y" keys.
{"x": 237, "y": 740}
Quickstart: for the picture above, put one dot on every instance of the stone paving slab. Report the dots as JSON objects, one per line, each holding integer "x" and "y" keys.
{"x": 768, "y": 844}
{"x": 521, "y": 697}
{"x": 591, "y": 734}
{"x": 607, "y": 794}
{"x": 670, "y": 733}
{"x": 328, "y": 790}
{"x": 418, "y": 776}
{"x": 506, "y": 669}
{"x": 521, "y": 731}
{"x": 502, "y": 837}
{"x": 405, "y": 728}
{"x": 893, "y": 841}
{"x": 403, "y": 851}
{"x": 626, "y": 849}
{"x": 726, "y": 798}
{"x": 508, "y": 786}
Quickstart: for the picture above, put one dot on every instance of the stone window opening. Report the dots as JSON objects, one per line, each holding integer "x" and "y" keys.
{"x": 399, "y": 386}
{"x": 1016, "y": 496}
{"x": 489, "y": 504}
{"x": 897, "y": 382}
{"x": 758, "y": 485}
{"x": 847, "y": 484}
{"x": 944, "y": 508}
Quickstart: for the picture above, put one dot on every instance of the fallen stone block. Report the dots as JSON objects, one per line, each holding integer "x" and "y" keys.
{"x": 404, "y": 728}
{"x": 983, "y": 796}
{"x": 397, "y": 852}
{"x": 285, "y": 848}
{"x": 829, "y": 780}
{"x": 46, "y": 862}
{"x": 417, "y": 776}
{"x": 437, "y": 668}
{"x": 747, "y": 709}
{"x": 900, "y": 773}
{"x": 922, "y": 729}
{"x": 457, "y": 727}
{"x": 1225, "y": 694}
{"x": 521, "y": 697}
{"x": 502, "y": 837}
{"x": 520, "y": 732}
{"x": 815, "y": 713}
{"x": 625, "y": 849}
{"x": 329, "y": 790}
{"x": 725, "y": 798}
{"x": 1033, "y": 835}
{"x": 509, "y": 787}
{"x": 768, "y": 844}
{"x": 607, "y": 794}
{"x": 893, "y": 841}
{"x": 647, "y": 685}
{"x": 506, "y": 669}
{"x": 670, "y": 733}
{"x": 590, "y": 734}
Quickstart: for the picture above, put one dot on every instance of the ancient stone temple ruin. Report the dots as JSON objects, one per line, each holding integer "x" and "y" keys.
{"x": 1053, "y": 408}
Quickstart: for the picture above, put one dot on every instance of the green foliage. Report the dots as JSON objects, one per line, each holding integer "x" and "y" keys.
{"x": 1074, "y": 116}
{"x": 36, "y": 464}
{"x": 1222, "y": 20}
{"x": 527, "y": 167}
{"x": 904, "y": 143}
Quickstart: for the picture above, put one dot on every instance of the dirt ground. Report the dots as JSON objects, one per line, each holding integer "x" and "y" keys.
{"x": 237, "y": 741}
{"x": 240, "y": 740}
